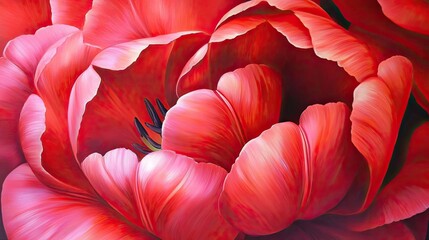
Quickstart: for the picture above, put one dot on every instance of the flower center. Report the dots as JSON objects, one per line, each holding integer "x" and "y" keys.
{"x": 150, "y": 145}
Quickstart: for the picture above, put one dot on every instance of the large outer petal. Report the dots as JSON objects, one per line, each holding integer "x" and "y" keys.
{"x": 32, "y": 210}
{"x": 27, "y": 50}
{"x": 291, "y": 172}
{"x": 70, "y": 12}
{"x": 378, "y": 106}
{"x": 178, "y": 198}
{"x": 112, "y": 22}
{"x": 109, "y": 94}
{"x": 406, "y": 195}
{"x": 14, "y": 90}
{"x": 55, "y": 75}
{"x": 22, "y": 17}
{"x": 31, "y": 128}
{"x": 246, "y": 102}
{"x": 255, "y": 33}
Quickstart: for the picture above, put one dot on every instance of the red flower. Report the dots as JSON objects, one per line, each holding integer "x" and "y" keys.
{"x": 285, "y": 125}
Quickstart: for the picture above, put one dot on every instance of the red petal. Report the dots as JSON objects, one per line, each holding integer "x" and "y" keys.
{"x": 332, "y": 42}
{"x": 70, "y": 12}
{"x": 22, "y": 17}
{"x": 26, "y": 51}
{"x": 332, "y": 160}
{"x": 179, "y": 198}
{"x": 31, "y": 128}
{"x": 412, "y": 15}
{"x": 55, "y": 76}
{"x": 254, "y": 95}
{"x": 407, "y": 194}
{"x": 285, "y": 174}
{"x": 201, "y": 126}
{"x": 372, "y": 13}
{"x": 113, "y": 177}
{"x": 14, "y": 91}
{"x": 146, "y": 68}
{"x": 378, "y": 107}
{"x": 32, "y": 210}
{"x": 233, "y": 45}
{"x": 262, "y": 193}
{"x": 112, "y": 22}
{"x": 246, "y": 103}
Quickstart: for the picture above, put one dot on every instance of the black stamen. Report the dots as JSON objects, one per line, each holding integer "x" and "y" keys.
{"x": 153, "y": 115}
{"x": 140, "y": 128}
{"x": 161, "y": 107}
{"x": 141, "y": 148}
{"x": 153, "y": 128}
{"x": 145, "y": 135}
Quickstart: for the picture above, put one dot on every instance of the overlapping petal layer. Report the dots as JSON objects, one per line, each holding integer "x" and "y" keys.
{"x": 178, "y": 198}
{"x": 112, "y": 92}
{"x": 385, "y": 38}
{"x": 378, "y": 107}
{"x": 215, "y": 125}
{"x": 26, "y": 51}
{"x": 406, "y": 195}
{"x": 113, "y": 22}
{"x": 252, "y": 32}
{"x": 70, "y": 12}
{"x": 33, "y": 210}
{"x": 22, "y": 17}
{"x": 282, "y": 175}
{"x": 14, "y": 90}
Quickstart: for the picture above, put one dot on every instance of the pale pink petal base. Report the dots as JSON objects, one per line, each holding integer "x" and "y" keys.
{"x": 33, "y": 211}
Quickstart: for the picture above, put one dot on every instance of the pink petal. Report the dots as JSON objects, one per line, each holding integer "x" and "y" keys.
{"x": 113, "y": 177}
{"x": 108, "y": 97}
{"x": 70, "y": 12}
{"x": 407, "y": 194}
{"x": 262, "y": 192}
{"x": 112, "y": 22}
{"x": 14, "y": 91}
{"x": 289, "y": 172}
{"x": 55, "y": 76}
{"x": 32, "y": 210}
{"x": 378, "y": 107}
{"x": 22, "y": 17}
{"x": 246, "y": 103}
{"x": 31, "y": 128}
{"x": 27, "y": 50}
{"x": 178, "y": 198}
